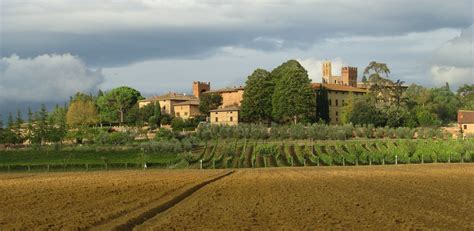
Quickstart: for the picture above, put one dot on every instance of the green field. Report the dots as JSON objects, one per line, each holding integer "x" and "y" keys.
{"x": 256, "y": 154}
{"x": 72, "y": 158}
{"x": 241, "y": 153}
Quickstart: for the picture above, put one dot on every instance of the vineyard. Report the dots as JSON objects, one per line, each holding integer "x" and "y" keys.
{"x": 259, "y": 154}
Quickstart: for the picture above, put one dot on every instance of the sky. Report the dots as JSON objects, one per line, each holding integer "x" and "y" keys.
{"x": 51, "y": 49}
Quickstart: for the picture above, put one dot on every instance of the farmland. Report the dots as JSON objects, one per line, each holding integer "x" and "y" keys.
{"x": 258, "y": 153}
{"x": 241, "y": 153}
{"x": 357, "y": 197}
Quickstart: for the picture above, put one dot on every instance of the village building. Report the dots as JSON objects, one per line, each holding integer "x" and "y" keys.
{"x": 186, "y": 110}
{"x": 335, "y": 91}
{"x": 167, "y": 101}
{"x": 348, "y": 75}
{"x": 225, "y": 116}
{"x": 336, "y": 97}
{"x": 228, "y": 112}
{"x": 466, "y": 122}
{"x": 231, "y": 96}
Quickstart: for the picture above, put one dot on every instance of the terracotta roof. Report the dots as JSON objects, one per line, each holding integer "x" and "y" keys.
{"x": 171, "y": 96}
{"x": 228, "y": 89}
{"x": 465, "y": 117}
{"x": 231, "y": 108}
{"x": 190, "y": 102}
{"x": 337, "y": 87}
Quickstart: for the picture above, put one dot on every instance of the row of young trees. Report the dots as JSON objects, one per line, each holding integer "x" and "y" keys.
{"x": 315, "y": 132}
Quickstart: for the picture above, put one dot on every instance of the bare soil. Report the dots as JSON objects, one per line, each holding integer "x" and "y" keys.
{"x": 371, "y": 197}
{"x": 71, "y": 201}
{"x": 431, "y": 196}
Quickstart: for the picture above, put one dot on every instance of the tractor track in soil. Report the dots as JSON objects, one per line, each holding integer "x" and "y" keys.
{"x": 137, "y": 220}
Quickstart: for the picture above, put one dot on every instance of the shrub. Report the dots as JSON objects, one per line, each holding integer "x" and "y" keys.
{"x": 164, "y": 134}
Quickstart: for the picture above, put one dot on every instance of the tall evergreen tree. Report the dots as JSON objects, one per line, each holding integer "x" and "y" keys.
{"x": 257, "y": 98}
{"x": 293, "y": 98}
{"x": 322, "y": 105}
{"x": 2, "y": 132}
{"x": 18, "y": 120}
{"x": 10, "y": 122}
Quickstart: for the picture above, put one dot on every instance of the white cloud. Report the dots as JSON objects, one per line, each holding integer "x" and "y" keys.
{"x": 453, "y": 62}
{"x": 45, "y": 78}
{"x": 455, "y": 76}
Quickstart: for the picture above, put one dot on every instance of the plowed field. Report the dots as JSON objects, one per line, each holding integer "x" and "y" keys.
{"x": 438, "y": 196}
{"x": 65, "y": 201}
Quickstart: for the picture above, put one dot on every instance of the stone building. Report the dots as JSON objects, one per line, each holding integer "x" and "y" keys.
{"x": 186, "y": 110}
{"x": 167, "y": 101}
{"x": 466, "y": 122}
{"x": 348, "y": 75}
{"x": 335, "y": 91}
{"x": 336, "y": 96}
{"x": 200, "y": 87}
{"x": 225, "y": 116}
{"x": 231, "y": 96}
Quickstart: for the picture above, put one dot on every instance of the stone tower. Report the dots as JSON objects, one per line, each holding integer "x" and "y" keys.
{"x": 349, "y": 76}
{"x": 200, "y": 87}
{"x": 327, "y": 71}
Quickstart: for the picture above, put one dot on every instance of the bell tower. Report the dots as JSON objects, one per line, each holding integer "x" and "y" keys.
{"x": 327, "y": 71}
{"x": 200, "y": 87}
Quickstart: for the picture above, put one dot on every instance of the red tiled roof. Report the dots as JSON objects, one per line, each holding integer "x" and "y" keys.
{"x": 170, "y": 96}
{"x": 465, "y": 117}
{"x": 337, "y": 87}
{"x": 231, "y": 108}
{"x": 190, "y": 102}
{"x": 228, "y": 89}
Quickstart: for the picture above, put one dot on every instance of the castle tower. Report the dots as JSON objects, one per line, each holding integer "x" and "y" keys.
{"x": 327, "y": 71}
{"x": 200, "y": 87}
{"x": 349, "y": 76}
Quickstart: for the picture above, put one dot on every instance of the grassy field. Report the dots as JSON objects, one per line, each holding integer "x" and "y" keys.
{"x": 71, "y": 158}
{"x": 430, "y": 196}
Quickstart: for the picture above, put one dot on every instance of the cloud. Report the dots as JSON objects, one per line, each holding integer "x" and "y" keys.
{"x": 455, "y": 76}
{"x": 453, "y": 62}
{"x": 113, "y": 33}
{"x": 45, "y": 78}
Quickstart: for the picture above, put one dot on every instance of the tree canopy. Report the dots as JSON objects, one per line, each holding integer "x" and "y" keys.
{"x": 257, "y": 98}
{"x": 293, "y": 98}
{"x": 82, "y": 113}
{"x": 117, "y": 102}
{"x": 209, "y": 101}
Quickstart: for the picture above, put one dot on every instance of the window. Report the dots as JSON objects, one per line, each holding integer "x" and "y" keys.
{"x": 330, "y": 103}
{"x": 337, "y": 119}
{"x": 185, "y": 113}
{"x": 337, "y": 102}
{"x": 465, "y": 126}
{"x": 217, "y": 119}
{"x": 231, "y": 119}
{"x": 342, "y": 102}
{"x": 337, "y": 113}
{"x": 177, "y": 114}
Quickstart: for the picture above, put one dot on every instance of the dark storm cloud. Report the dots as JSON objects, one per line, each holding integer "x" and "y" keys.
{"x": 117, "y": 33}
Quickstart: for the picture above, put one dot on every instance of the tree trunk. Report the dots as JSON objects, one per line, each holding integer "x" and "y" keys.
{"x": 121, "y": 117}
